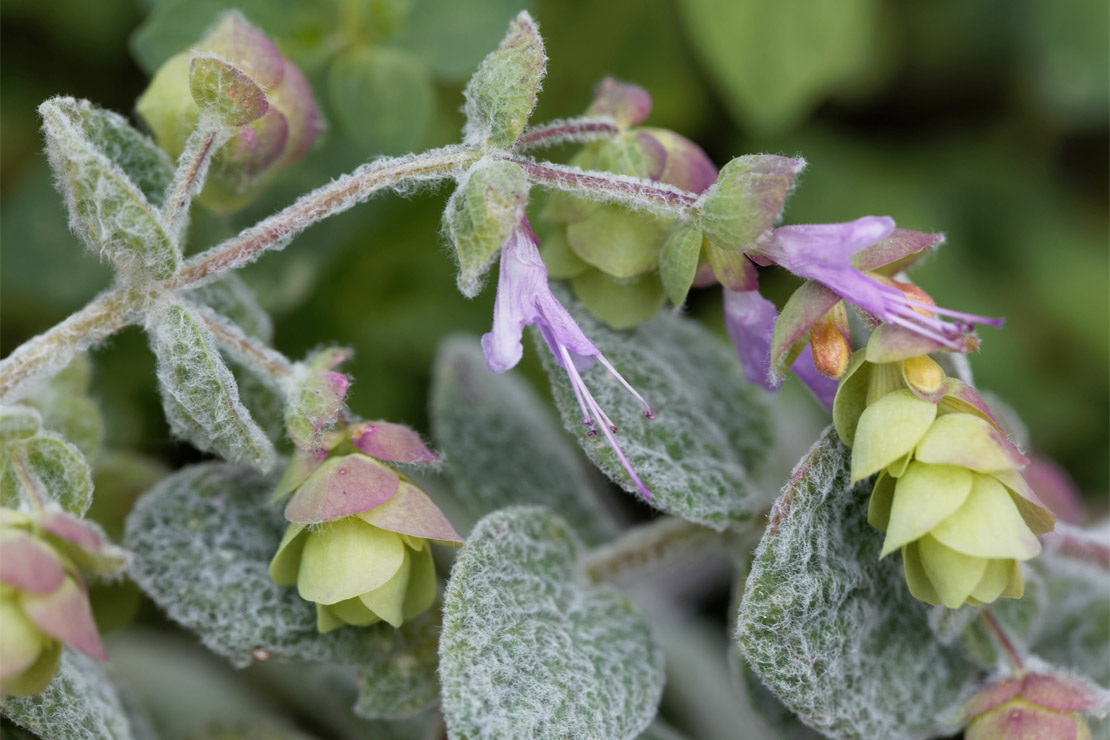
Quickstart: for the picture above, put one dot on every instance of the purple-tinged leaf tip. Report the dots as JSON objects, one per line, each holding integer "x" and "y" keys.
{"x": 412, "y": 512}
{"x": 29, "y": 564}
{"x": 393, "y": 442}
{"x": 342, "y": 486}
{"x": 628, "y": 104}
{"x": 66, "y": 615}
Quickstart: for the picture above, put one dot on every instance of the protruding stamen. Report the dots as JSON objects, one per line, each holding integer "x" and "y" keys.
{"x": 581, "y": 391}
{"x": 608, "y": 366}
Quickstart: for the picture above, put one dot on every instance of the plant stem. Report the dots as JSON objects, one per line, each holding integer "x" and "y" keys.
{"x": 268, "y": 363}
{"x": 639, "y": 194}
{"x": 1076, "y": 543}
{"x": 335, "y": 197}
{"x": 1004, "y": 641}
{"x": 190, "y": 175}
{"x": 559, "y": 132}
{"x": 53, "y": 349}
{"x": 649, "y": 546}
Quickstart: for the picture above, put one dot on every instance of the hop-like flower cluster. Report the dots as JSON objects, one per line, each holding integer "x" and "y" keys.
{"x": 949, "y": 493}
{"x": 357, "y": 542}
{"x": 43, "y": 601}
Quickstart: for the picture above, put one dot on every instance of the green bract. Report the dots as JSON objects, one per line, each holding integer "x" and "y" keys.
{"x": 501, "y": 94}
{"x": 949, "y": 493}
{"x": 740, "y": 209}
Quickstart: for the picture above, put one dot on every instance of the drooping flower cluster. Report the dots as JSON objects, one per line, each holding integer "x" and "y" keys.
{"x": 949, "y": 493}
{"x": 358, "y": 540}
{"x": 43, "y": 601}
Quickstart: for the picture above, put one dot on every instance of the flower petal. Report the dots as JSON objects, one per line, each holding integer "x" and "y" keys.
{"x": 924, "y": 497}
{"x": 388, "y": 600}
{"x": 347, "y": 558}
{"x": 29, "y": 564}
{"x": 394, "y": 442}
{"x": 888, "y": 429}
{"x": 287, "y": 560}
{"x": 421, "y": 593}
{"x": 750, "y": 321}
{"x": 851, "y": 398}
{"x": 353, "y": 611}
{"x": 412, "y": 512}
{"x": 803, "y": 309}
{"x": 988, "y": 525}
{"x": 340, "y": 487}
{"x": 21, "y": 642}
{"x": 916, "y": 578}
{"x": 895, "y": 251}
{"x": 881, "y": 501}
{"x": 953, "y": 574}
{"x": 995, "y": 579}
{"x": 1038, "y": 517}
{"x": 66, "y": 616}
{"x": 969, "y": 441}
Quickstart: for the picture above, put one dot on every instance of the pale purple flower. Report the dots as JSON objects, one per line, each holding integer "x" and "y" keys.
{"x": 823, "y": 252}
{"x": 750, "y": 321}
{"x": 523, "y": 298}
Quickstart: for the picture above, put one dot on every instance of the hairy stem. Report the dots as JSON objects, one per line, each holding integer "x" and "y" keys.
{"x": 560, "y": 132}
{"x": 53, "y": 349}
{"x": 1004, "y": 641}
{"x": 1076, "y": 543}
{"x": 335, "y": 197}
{"x": 636, "y": 193}
{"x": 189, "y": 178}
{"x": 268, "y": 363}
{"x": 647, "y": 547}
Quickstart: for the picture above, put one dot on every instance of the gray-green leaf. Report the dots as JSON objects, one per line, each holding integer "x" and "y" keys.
{"x": 710, "y": 428}
{"x": 44, "y": 468}
{"x": 199, "y": 394}
{"x": 502, "y": 93}
{"x": 107, "y": 210}
{"x": 81, "y": 703}
{"x": 529, "y": 651}
{"x": 203, "y": 540}
{"x": 503, "y": 448}
{"x": 831, "y": 629}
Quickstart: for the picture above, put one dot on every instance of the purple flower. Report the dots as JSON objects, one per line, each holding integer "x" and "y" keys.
{"x": 831, "y": 254}
{"x": 523, "y": 298}
{"x": 750, "y": 321}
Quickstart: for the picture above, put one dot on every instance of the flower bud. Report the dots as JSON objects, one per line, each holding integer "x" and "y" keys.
{"x": 628, "y": 105}
{"x": 314, "y": 398}
{"x": 740, "y": 209}
{"x": 43, "y": 602}
{"x": 273, "y": 131}
{"x": 357, "y": 544}
{"x": 1035, "y": 706}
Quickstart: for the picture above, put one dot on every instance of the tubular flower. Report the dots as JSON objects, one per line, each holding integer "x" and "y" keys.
{"x": 43, "y": 601}
{"x": 1032, "y": 706}
{"x": 523, "y": 298}
{"x": 854, "y": 261}
{"x": 948, "y": 493}
{"x": 357, "y": 543}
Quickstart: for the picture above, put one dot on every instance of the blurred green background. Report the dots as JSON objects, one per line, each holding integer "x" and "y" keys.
{"x": 985, "y": 119}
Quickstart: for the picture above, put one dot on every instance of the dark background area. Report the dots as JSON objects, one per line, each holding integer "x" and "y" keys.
{"x": 986, "y": 120}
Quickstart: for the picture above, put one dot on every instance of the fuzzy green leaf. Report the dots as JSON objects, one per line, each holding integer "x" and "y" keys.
{"x": 203, "y": 545}
{"x": 80, "y": 703}
{"x": 225, "y": 92}
{"x": 503, "y": 448}
{"x": 529, "y": 651}
{"x": 41, "y": 469}
{"x": 831, "y": 629}
{"x": 710, "y": 428}
{"x": 107, "y": 210}
{"x": 199, "y": 393}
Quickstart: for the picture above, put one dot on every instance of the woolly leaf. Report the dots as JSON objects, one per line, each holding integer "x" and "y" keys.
{"x": 67, "y": 408}
{"x": 501, "y": 94}
{"x": 107, "y": 210}
{"x": 831, "y": 629}
{"x": 528, "y": 651}
{"x": 480, "y": 215}
{"x": 225, "y": 92}
{"x": 41, "y": 469}
{"x": 203, "y": 544}
{"x": 503, "y": 447}
{"x": 80, "y": 703}
{"x": 710, "y": 428}
{"x": 199, "y": 394}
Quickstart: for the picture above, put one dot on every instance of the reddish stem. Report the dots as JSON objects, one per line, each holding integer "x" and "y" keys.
{"x": 1004, "y": 641}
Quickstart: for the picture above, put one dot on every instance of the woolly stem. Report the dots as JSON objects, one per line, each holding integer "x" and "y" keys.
{"x": 266, "y": 362}
{"x": 1067, "y": 542}
{"x": 335, "y": 197}
{"x": 53, "y": 349}
{"x": 561, "y": 132}
{"x": 1003, "y": 640}
{"x": 648, "y": 547}
{"x": 192, "y": 170}
{"x": 638, "y": 194}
